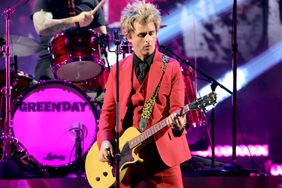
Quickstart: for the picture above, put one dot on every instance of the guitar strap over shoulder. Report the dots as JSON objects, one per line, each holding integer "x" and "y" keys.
{"x": 148, "y": 106}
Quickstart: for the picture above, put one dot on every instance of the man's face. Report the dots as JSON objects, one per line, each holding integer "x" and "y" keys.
{"x": 143, "y": 39}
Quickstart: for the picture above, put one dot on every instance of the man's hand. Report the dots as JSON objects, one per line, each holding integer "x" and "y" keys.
{"x": 106, "y": 153}
{"x": 176, "y": 122}
{"x": 84, "y": 18}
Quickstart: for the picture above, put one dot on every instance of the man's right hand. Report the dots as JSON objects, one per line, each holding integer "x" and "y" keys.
{"x": 84, "y": 18}
{"x": 106, "y": 153}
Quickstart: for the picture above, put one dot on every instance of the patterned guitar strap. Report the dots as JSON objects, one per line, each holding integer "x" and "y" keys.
{"x": 148, "y": 106}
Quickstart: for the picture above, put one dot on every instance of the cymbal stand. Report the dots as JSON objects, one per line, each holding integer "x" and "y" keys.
{"x": 7, "y": 132}
{"x": 6, "y": 135}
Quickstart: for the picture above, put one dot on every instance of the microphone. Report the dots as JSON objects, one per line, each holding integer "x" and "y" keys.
{"x": 79, "y": 128}
{"x": 116, "y": 37}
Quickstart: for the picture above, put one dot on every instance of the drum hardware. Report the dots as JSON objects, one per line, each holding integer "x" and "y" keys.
{"x": 104, "y": 46}
{"x": 21, "y": 46}
{"x": 80, "y": 133}
{"x": 6, "y": 135}
{"x": 24, "y": 161}
{"x": 125, "y": 48}
{"x": 2, "y": 43}
{"x": 9, "y": 144}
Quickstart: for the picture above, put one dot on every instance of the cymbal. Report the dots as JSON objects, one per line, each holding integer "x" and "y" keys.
{"x": 23, "y": 46}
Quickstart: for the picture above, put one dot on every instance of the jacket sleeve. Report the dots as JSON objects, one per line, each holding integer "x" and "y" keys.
{"x": 108, "y": 112}
{"x": 177, "y": 95}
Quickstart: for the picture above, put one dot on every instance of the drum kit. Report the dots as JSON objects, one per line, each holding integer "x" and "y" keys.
{"x": 54, "y": 123}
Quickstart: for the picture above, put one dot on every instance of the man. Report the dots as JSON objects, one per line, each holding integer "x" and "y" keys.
{"x": 53, "y": 16}
{"x": 163, "y": 152}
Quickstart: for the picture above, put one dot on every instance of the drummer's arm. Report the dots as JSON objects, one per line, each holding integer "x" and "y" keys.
{"x": 45, "y": 25}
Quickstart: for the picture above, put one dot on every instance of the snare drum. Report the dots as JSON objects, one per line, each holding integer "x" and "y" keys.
{"x": 76, "y": 55}
{"x": 48, "y": 119}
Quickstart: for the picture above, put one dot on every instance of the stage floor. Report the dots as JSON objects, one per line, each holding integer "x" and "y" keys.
{"x": 189, "y": 182}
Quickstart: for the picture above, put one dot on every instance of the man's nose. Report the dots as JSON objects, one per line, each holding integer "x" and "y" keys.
{"x": 148, "y": 38}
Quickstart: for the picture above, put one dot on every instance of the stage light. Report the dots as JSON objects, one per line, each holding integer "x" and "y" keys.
{"x": 248, "y": 72}
{"x": 241, "y": 150}
{"x": 276, "y": 169}
{"x": 181, "y": 18}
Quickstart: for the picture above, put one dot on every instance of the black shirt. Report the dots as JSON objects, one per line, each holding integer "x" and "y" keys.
{"x": 142, "y": 67}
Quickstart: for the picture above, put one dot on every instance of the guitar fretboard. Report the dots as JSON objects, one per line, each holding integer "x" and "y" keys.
{"x": 154, "y": 129}
{"x": 198, "y": 104}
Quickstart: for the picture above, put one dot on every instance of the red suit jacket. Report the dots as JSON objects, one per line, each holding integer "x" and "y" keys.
{"x": 173, "y": 150}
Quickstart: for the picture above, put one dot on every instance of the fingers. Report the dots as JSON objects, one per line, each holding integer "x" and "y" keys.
{"x": 106, "y": 153}
{"x": 84, "y": 18}
{"x": 176, "y": 121}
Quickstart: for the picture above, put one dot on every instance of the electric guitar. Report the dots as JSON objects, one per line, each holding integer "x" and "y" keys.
{"x": 100, "y": 174}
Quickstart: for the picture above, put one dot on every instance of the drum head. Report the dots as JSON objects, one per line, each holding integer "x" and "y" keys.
{"x": 48, "y": 120}
{"x": 78, "y": 71}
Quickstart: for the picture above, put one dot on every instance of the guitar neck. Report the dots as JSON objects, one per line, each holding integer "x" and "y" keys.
{"x": 154, "y": 129}
{"x": 200, "y": 103}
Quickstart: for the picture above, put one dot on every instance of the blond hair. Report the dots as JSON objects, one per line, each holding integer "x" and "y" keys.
{"x": 139, "y": 12}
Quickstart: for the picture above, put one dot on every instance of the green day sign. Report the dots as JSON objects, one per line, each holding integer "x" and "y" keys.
{"x": 50, "y": 117}
{"x": 49, "y": 106}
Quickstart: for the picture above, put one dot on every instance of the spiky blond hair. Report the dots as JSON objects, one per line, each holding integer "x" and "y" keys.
{"x": 140, "y": 12}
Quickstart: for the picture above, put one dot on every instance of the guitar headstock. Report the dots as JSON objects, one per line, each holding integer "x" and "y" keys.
{"x": 204, "y": 101}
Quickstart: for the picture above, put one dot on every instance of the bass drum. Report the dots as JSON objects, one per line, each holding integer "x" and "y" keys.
{"x": 50, "y": 118}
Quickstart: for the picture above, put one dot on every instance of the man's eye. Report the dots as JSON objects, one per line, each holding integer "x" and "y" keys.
{"x": 142, "y": 35}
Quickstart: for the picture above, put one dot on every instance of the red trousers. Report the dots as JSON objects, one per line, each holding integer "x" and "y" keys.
{"x": 152, "y": 171}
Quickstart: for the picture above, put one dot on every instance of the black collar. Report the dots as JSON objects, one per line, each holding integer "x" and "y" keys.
{"x": 148, "y": 59}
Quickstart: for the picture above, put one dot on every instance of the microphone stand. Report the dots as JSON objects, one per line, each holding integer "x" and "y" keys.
{"x": 78, "y": 151}
{"x": 234, "y": 66}
{"x": 117, "y": 153}
{"x": 213, "y": 87}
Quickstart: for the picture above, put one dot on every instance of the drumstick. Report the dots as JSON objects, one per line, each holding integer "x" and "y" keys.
{"x": 97, "y": 7}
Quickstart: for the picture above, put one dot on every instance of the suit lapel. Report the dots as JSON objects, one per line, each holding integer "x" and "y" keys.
{"x": 155, "y": 74}
{"x": 125, "y": 80}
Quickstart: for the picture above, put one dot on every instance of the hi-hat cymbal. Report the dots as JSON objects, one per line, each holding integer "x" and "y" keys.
{"x": 23, "y": 46}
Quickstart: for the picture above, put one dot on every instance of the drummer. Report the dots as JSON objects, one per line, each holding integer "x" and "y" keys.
{"x": 53, "y": 16}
